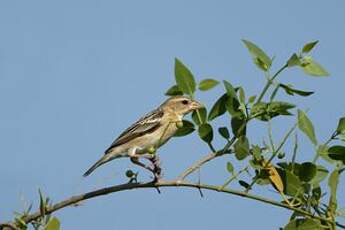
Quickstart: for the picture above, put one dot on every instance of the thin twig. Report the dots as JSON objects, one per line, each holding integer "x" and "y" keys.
{"x": 269, "y": 83}
{"x": 129, "y": 186}
{"x": 295, "y": 148}
{"x": 282, "y": 143}
{"x": 317, "y": 155}
{"x": 8, "y": 226}
{"x": 233, "y": 177}
{"x": 199, "y": 163}
{"x": 270, "y": 135}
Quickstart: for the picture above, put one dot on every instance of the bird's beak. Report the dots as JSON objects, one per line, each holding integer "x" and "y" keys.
{"x": 196, "y": 105}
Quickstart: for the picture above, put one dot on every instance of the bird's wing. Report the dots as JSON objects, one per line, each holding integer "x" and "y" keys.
{"x": 145, "y": 124}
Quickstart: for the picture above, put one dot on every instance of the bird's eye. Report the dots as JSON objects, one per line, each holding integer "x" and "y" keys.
{"x": 185, "y": 102}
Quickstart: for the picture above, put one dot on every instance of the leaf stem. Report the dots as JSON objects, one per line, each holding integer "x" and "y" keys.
{"x": 270, "y": 135}
{"x": 333, "y": 136}
{"x": 269, "y": 82}
{"x": 274, "y": 154}
{"x": 295, "y": 148}
{"x": 233, "y": 177}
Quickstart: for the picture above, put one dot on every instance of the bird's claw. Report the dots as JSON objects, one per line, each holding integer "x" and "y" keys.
{"x": 155, "y": 167}
{"x": 157, "y": 170}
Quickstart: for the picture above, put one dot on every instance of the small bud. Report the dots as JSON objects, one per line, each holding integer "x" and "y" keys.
{"x": 152, "y": 150}
{"x": 129, "y": 173}
{"x": 179, "y": 124}
{"x": 281, "y": 155}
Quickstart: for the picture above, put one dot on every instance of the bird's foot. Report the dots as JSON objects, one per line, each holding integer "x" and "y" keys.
{"x": 154, "y": 168}
{"x": 135, "y": 160}
{"x": 157, "y": 170}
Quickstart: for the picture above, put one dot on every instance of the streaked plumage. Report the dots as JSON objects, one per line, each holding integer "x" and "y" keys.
{"x": 152, "y": 130}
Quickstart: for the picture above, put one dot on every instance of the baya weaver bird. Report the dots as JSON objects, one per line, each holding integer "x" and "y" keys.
{"x": 149, "y": 132}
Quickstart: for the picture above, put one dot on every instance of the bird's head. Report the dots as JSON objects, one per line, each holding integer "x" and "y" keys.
{"x": 181, "y": 105}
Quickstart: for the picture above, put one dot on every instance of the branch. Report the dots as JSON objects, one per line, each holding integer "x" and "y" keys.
{"x": 199, "y": 163}
{"x": 8, "y": 226}
{"x": 206, "y": 159}
{"x": 129, "y": 186}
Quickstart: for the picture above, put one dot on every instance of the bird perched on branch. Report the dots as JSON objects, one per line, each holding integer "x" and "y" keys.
{"x": 149, "y": 132}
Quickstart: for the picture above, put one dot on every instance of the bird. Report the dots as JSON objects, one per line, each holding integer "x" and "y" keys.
{"x": 149, "y": 132}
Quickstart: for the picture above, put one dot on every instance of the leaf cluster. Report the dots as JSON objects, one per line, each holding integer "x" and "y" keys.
{"x": 298, "y": 183}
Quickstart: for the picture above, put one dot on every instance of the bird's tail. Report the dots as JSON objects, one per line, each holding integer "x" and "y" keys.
{"x": 100, "y": 162}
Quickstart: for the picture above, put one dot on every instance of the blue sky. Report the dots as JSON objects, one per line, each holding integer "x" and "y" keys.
{"x": 74, "y": 74}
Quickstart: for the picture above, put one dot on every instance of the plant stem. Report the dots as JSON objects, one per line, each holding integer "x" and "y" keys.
{"x": 273, "y": 155}
{"x": 333, "y": 136}
{"x": 233, "y": 177}
{"x": 295, "y": 148}
{"x": 269, "y": 82}
{"x": 270, "y": 135}
{"x": 211, "y": 147}
{"x": 199, "y": 163}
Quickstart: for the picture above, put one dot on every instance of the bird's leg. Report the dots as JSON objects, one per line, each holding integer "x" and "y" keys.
{"x": 157, "y": 170}
{"x": 153, "y": 158}
{"x": 135, "y": 159}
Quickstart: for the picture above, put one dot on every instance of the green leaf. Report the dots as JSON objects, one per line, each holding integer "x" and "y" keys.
{"x": 303, "y": 224}
{"x": 218, "y": 108}
{"x": 259, "y": 56}
{"x": 341, "y": 125}
{"x": 251, "y": 99}
{"x": 206, "y": 132}
{"x": 307, "y": 171}
{"x": 259, "y": 110}
{"x": 232, "y": 104}
{"x": 202, "y": 115}
{"x": 266, "y": 111}
{"x": 291, "y": 91}
{"x": 238, "y": 125}
{"x": 244, "y": 184}
{"x": 333, "y": 182}
{"x": 230, "y": 90}
{"x": 208, "y": 84}
{"x": 306, "y": 126}
{"x": 257, "y": 152}
{"x": 309, "y": 46}
{"x": 42, "y": 203}
{"x": 184, "y": 78}
{"x": 313, "y": 68}
{"x": 224, "y": 132}
{"x": 277, "y": 108}
{"x": 173, "y": 91}
{"x": 241, "y": 148}
{"x": 316, "y": 192}
{"x": 187, "y": 128}
{"x": 242, "y": 95}
{"x": 322, "y": 150}
{"x": 292, "y": 184}
{"x": 294, "y": 60}
{"x": 230, "y": 167}
{"x": 337, "y": 152}
{"x": 321, "y": 174}
{"x": 53, "y": 224}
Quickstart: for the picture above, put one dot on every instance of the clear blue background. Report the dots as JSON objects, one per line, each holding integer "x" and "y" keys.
{"x": 74, "y": 74}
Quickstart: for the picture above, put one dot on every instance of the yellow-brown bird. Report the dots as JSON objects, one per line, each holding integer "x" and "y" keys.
{"x": 149, "y": 132}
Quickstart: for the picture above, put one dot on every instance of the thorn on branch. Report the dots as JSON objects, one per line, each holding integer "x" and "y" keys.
{"x": 201, "y": 193}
